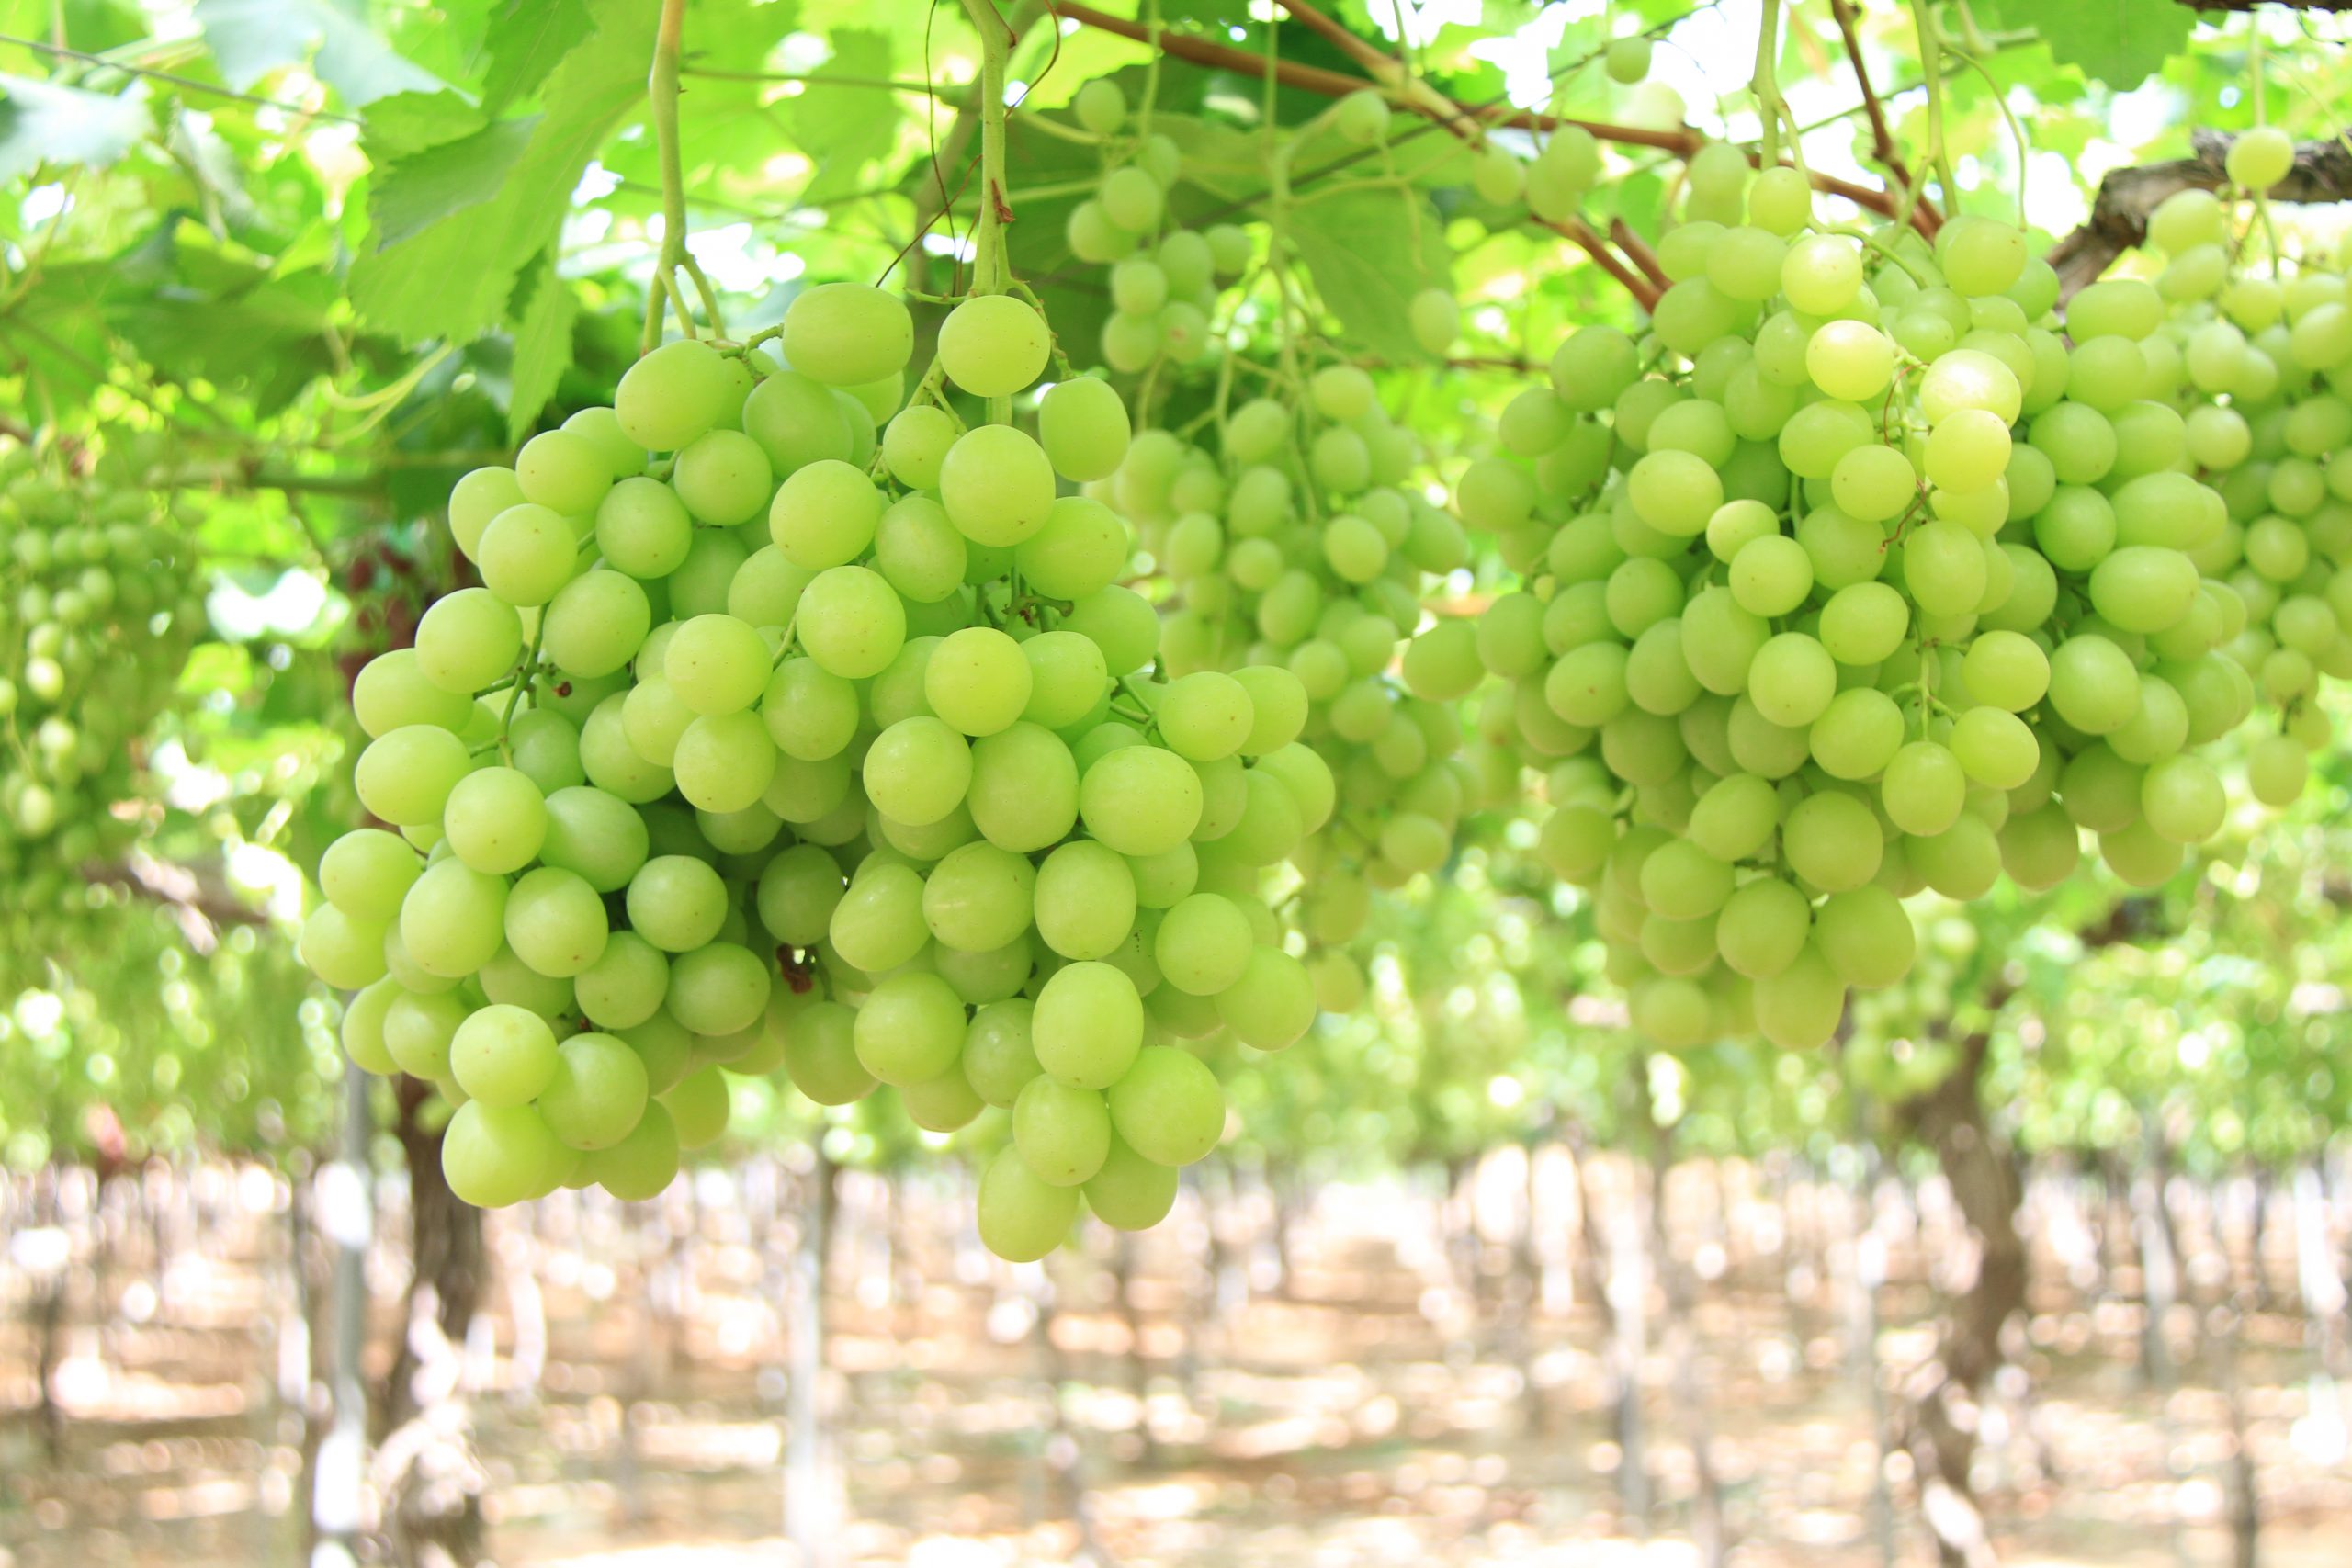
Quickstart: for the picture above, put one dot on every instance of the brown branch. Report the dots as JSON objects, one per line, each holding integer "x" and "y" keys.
{"x": 1636, "y": 252}
{"x": 1354, "y": 47}
{"x": 2119, "y": 221}
{"x": 1882, "y": 146}
{"x": 1222, "y": 57}
{"x": 2328, "y": 6}
{"x": 1580, "y": 234}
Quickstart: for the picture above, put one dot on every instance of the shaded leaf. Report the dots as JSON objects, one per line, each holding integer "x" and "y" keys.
{"x": 425, "y": 188}
{"x": 2120, "y": 43}
{"x": 252, "y": 37}
{"x": 542, "y": 345}
{"x": 43, "y": 123}
{"x": 526, "y": 41}
{"x": 1359, "y": 247}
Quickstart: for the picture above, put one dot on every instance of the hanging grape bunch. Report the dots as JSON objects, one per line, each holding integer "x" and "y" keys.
{"x": 1294, "y": 538}
{"x": 2254, "y": 359}
{"x": 101, "y": 610}
{"x": 1878, "y": 585}
{"x": 800, "y": 748}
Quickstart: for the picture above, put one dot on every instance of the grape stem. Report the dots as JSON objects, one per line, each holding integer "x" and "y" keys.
{"x": 991, "y": 269}
{"x": 522, "y": 685}
{"x": 1931, "y": 68}
{"x": 663, "y": 292}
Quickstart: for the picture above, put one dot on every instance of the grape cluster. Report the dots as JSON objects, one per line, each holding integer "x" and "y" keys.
{"x": 2256, "y": 365}
{"x": 1857, "y": 575}
{"x": 770, "y": 741}
{"x": 1301, "y": 543}
{"x": 102, "y": 607}
{"x": 1163, "y": 279}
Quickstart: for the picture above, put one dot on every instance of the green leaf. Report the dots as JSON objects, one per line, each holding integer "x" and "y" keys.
{"x": 841, "y": 129}
{"x": 526, "y": 39}
{"x": 407, "y": 123}
{"x": 1358, "y": 248}
{"x": 542, "y": 345}
{"x": 250, "y": 38}
{"x": 42, "y": 122}
{"x": 434, "y": 271}
{"x": 2120, "y": 43}
{"x": 419, "y": 190}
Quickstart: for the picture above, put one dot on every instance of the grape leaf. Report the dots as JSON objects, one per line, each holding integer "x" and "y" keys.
{"x": 542, "y": 344}
{"x": 841, "y": 129}
{"x": 2120, "y": 43}
{"x": 526, "y": 41}
{"x": 427, "y": 186}
{"x": 1359, "y": 249}
{"x": 43, "y": 123}
{"x": 250, "y": 38}
{"x": 433, "y": 268}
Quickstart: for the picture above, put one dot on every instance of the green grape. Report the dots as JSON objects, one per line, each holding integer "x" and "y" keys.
{"x": 595, "y": 834}
{"x": 716, "y": 664}
{"x": 879, "y": 923}
{"x": 673, "y": 394}
{"x": 1140, "y": 800}
{"x": 1273, "y": 1002}
{"x": 918, "y": 771}
{"x": 362, "y": 1031}
{"x": 626, "y": 984}
{"x": 595, "y": 624}
{"x": 845, "y": 334}
{"x": 1204, "y": 944}
{"x": 493, "y": 1156}
{"x": 1063, "y": 1134}
{"x": 697, "y": 1107}
{"x": 1067, "y": 677}
{"x": 393, "y": 692}
{"x": 1832, "y": 840}
{"x": 918, "y": 550}
{"x": 1924, "y": 788}
{"x": 2092, "y": 684}
{"x": 1025, "y": 788}
{"x": 851, "y": 622}
{"x": 452, "y": 918}
{"x": 1168, "y": 1107}
{"x": 365, "y": 873}
{"x": 1799, "y": 1007}
{"x": 640, "y": 1166}
{"x": 811, "y": 712}
{"x": 526, "y": 554}
{"x": 909, "y": 1030}
{"x": 1022, "y": 1219}
{"x": 1130, "y": 1192}
{"x": 718, "y": 988}
{"x": 1762, "y": 928}
{"x": 495, "y": 820}
{"x": 978, "y": 680}
{"x": 1792, "y": 679}
{"x": 555, "y": 923}
{"x": 2260, "y": 158}
{"x": 825, "y": 515}
{"x": 418, "y": 1030}
{"x": 997, "y": 485}
{"x": 503, "y": 1056}
{"x": 1866, "y": 937}
{"x": 1085, "y": 900}
{"x": 466, "y": 640}
{"x": 724, "y": 762}
{"x": 342, "y": 950}
{"x": 942, "y": 1104}
{"x": 676, "y": 902}
{"x": 1088, "y": 1025}
{"x": 993, "y": 346}
{"x": 820, "y": 1055}
{"x": 1858, "y": 734}
{"x": 998, "y": 1060}
{"x": 977, "y": 897}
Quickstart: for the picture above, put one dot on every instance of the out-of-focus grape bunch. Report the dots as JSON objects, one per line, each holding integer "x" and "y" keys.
{"x": 99, "y": 606}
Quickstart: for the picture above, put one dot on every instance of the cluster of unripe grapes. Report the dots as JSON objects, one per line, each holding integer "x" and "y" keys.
{"x": 1861, "y": 575}
{"x": 1164, "y": 279}
{"x": 1300, "y": 542}
{"x": 2257, "y": 364}
{"x": 770, "y": 742}
{"x": 101, "y": 609}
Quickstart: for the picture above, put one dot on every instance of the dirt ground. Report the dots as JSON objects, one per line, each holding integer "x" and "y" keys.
{"x": 1386, "y": 1375}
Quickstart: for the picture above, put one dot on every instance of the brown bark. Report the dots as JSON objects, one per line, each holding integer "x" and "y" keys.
{"x": 2119, "y": 219}
{"x": 431, "y": 1478}
{"x": 1945, "y": 1394}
